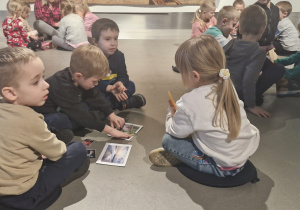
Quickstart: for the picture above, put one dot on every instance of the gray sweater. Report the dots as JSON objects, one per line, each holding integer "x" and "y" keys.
{"x": 244, "y": 61}
{"x": 71, "y": 28}
{"x": 288, "y": 35}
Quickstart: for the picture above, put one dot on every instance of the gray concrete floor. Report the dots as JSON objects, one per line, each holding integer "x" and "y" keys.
{"x": 149, "y": 42}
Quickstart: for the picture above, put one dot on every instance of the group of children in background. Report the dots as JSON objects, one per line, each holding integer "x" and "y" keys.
{"x": 208, "y": 128}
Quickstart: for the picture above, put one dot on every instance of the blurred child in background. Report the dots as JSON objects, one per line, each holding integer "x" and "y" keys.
{"x": 286, "y": 38}
{"x": 71, "y": 33}
{"x": 204, "y": 18}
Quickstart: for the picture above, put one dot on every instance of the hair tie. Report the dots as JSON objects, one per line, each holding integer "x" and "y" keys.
{"x": 224, "y": 73}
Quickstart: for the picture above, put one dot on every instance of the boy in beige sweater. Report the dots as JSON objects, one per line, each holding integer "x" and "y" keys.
{"x": 33, "y": 162}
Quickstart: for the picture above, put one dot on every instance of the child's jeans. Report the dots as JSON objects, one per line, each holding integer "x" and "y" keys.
{"x": 114, "y": 103}
{"x": 51, "y": 175}
{"x": 186, "y": 151}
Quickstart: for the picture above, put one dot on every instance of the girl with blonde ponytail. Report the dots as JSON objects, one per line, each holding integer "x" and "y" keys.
{"x": 209, "y": 131}
{"x": 204, "y": 18}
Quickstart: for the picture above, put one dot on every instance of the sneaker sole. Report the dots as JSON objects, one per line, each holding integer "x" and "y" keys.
{"x": 160, "y": 157}
{"x": 288, "y": 94}
{"x": 142, "y": 98}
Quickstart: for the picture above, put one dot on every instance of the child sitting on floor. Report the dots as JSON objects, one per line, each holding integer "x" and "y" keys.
{"x": 289, "y": 85}
{"x": 71, "y": 32}
{"x": 286, "y": 38}
{"x": 204, "y": 18}
{"x": 34, "y": 163}
{"x": 227, "y": 18}
{"x": 239, "y": 5}
{"x": 116, "y": 87}
{"x": 74, "y": 102}
{"x": 245, "y": 59}
{"x": 13, "y": 28}
{"x": 209, "y": 131}
{"x": 24, "y": 15}
{"x": 82, "y": 9}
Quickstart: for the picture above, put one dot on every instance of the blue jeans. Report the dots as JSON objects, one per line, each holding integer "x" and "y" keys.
{"x": 61, "y": 121}
{"x": 51, "y": 175}
{"x": 114, "y": 103}
{"x": 186, "y": 151}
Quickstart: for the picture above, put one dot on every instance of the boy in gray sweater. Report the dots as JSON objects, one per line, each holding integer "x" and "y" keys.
{"x": 245, "y": 59}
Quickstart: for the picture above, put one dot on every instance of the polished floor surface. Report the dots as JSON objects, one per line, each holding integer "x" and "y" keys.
{"x": 149, "y": 42}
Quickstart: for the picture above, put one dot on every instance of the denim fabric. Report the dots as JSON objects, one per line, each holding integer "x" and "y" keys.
{"x": 186, "y": 151}
{"x": 51, "y": 175}
{"x": 114, "y": 103}
{"x": 61, "y": 121}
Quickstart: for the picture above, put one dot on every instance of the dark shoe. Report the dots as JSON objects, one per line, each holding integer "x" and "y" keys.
{"x": 65, "y": 135}
{"x": 175, "y": 69}
{"x": 135, "y": 101}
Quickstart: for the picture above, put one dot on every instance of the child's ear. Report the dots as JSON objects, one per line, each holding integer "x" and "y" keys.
{"x": 224, "y": 21}
{"x": 285, "y": 14}
{"x": 9, "y": 94}
{"x": 77, "y": 76}
{"x": 195, "y": 76}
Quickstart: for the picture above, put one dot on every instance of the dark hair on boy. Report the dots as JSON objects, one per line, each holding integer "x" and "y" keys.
{"x": 90, "y": 61}
{"x": 228, "y": 12}
{"x": 11, "y": 61}
{"x": 103, "y": 24}
{"x": 252, "y": 19}
{"x": 241, "y": 2}
{"x": 285, "y": 6}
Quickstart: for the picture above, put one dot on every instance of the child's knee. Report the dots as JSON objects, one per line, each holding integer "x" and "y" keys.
{"x": 77, "y": 150}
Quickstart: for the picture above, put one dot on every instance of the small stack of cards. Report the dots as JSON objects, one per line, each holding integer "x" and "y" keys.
{"x": 90, "y": 152}
{"x": 131, "y": 129}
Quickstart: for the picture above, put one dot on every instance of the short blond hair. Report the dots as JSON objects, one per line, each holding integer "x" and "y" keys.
{"x": 11, "y": 61}
{"x": 26, "y": 8}
{"x": 228, "y": 12}
{"x": 14, "y": 8}
{"x": 241, "y": 2}
{"x": 205, "y": 5}
{"x": 81, "y": 6}
{"x": 206, "y": 56}
{"x": 252, "y": 20}
{"x": 90, "y": 61}
{"x": 285, "y": 6}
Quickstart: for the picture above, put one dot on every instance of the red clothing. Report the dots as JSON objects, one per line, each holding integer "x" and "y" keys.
{"x": 15, "y": 32}
{"x": 43, "y": 12}
{"x": 198, "y": 28}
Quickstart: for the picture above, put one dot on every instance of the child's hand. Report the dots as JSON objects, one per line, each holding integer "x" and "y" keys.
{"x": 173, "y": 110}
{"x": 116, "y": 133}
{"x": 259, "y": 112}
{"x": 118, "y": 89}
{"x": 116, "y": 121}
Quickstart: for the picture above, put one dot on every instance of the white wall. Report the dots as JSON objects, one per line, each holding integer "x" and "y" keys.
{"x": 163, "y": 9}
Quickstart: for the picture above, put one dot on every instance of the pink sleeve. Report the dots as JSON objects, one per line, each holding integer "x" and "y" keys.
{"x": 197, "y": 29}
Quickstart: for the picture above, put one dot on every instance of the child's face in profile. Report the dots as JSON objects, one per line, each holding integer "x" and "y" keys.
{"x": 239, "y": 7}
{"x": 228, "y": 27}
{"x": 32, "y": 89}
{"x": 207, "y": 15}
{"x": 108, "y": 42}
{"x": 25, "y": 14}
{"x": 282, "y": 14}
{"x": 88, "y": 83}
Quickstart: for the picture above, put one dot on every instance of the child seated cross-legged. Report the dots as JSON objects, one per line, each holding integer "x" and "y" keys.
{"x": 71, "y": 33}
{"x": 116, "y": 87}
{"x": 204, "y": 18}
{"x": 33, "y": 162}
{"x": 245, "y": 60}
{"x": 227, "y": 18}
{"x": 74, "y": 102}
{"x": 209, "y": 131}
{"x": 286, "y": 38}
